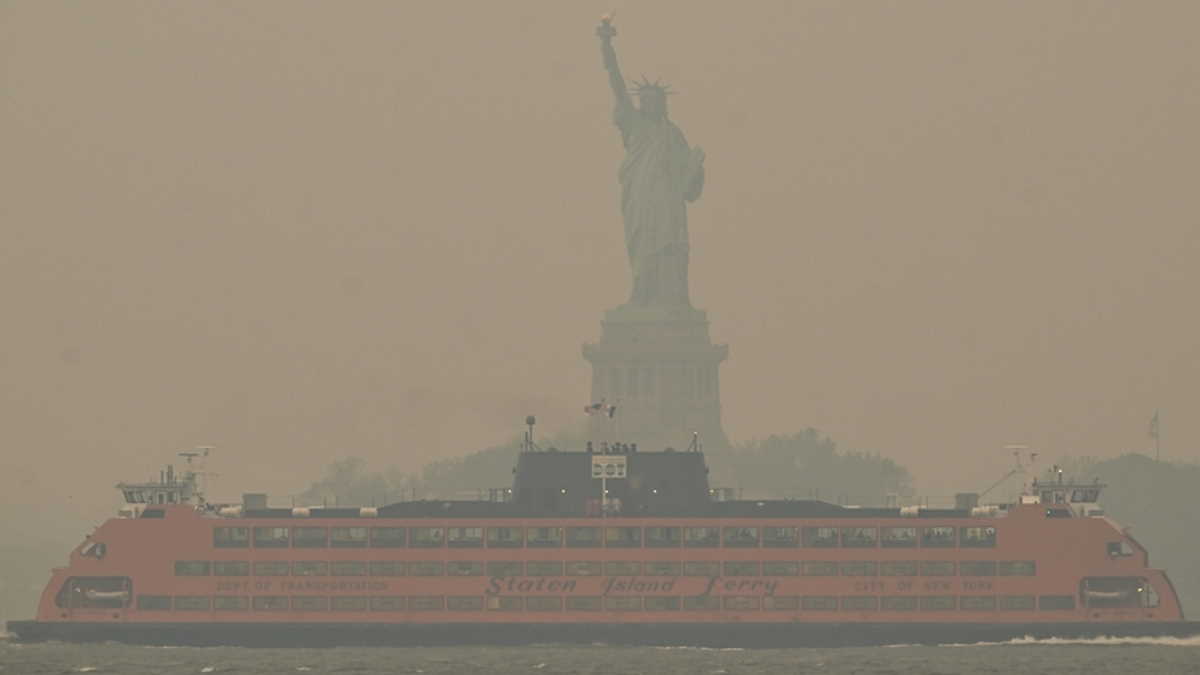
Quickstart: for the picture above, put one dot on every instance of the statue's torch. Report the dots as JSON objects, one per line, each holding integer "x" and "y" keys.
{"x": 605, "y": 30}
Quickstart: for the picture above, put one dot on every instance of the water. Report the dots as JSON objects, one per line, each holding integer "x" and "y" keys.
{"x": 1143, "y": 656}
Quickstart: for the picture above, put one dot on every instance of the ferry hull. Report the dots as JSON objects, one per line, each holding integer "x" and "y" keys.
{"x": 748, "y": 635}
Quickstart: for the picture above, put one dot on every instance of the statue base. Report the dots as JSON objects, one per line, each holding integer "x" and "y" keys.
{"x": 659, "y": 367}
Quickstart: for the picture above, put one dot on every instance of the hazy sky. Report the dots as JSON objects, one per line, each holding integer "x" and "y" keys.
{"x": 301, "y": 230}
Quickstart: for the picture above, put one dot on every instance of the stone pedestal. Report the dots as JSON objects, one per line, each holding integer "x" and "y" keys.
{"x": 658, "y": 366}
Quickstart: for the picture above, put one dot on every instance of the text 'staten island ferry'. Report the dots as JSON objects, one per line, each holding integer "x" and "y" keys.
{"x": 609, "y": 545}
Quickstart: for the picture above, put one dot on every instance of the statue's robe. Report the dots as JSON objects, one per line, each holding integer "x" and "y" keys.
{"x": 657, "y": 177}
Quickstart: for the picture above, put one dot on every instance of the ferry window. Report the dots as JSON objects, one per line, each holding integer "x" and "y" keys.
{"x": 586, "y": 603}
{"x": 1056, "y": 602}
{"x": 781, "y": 602}
{"x": 310, "y": 537}
{"x": 504, "y": 568}
{"x": 664, "y": 568}
{"x": 387, "y": 537}
{"x": 154, "y": 602}
{"x": 426, "y": 602}
{"x": 310, "y": 568}
{"x": 348, "y": 568}
{"x": 899, "y": 537}
{"x": 544, "y": 603}
{"x": 656, "y": 603}
{"x": 464, "y": 537}
{"x": 623, "y": 603}
{"x": 464, "y": 568}
{"x": 937, "y": 537}
{"x": 898, "y": 568}
{"x": 701, "y": 568}
{"x": 739, "y": 568}
{"x": 427, "y": 537}
{"x": 858, "y": 568}
{"x": 977, "y": 602}
{"x": 544, "y": 568}
{"x": 663, "y": 537}
{"x": 348, "y": 603}
{"x": 859, "y": 537}
{"x": 1085, "y": 495}
{"x": 701, "y": 602}
{"x": 937, "y": 568}
{"x": 740, "y": 537}
{"x": 231, "y": 568}
{"x": 622, "y": 568}
{"x": 388, "y": 603}
{"x": 231, "y": 603}
{"x": 820, "y": 537}
{"x": 819, "y": 602}
{"x": 937, "y": 603}
{"x": 1149, "y": 596}
{"x": 505, "y": 537}
{"x": 860, "y": 602}
{"x": 781, "y": 568}
{"x": 231, "y": 537}
{"x": 464, "y": 603}
{"x": 348, "y": 537}
{"x": 270, "y": 537}
{"x": 309, "y": 603}
{"x": 385, "y": 568}
{"x": 977, "y": 537}
{"x": 583, "y": 568}
{"x": 977, "y": 568}
{"x": 1017, "y": 568}
{"x": 780, "y": 537}
{"x": 268, "y": 568}
{"x": 1119, "y": 549}
{"x": 191, "y": 568}
{"x": 623, "y": 537}
{"x": 271, "y": 602}
{"x": 741, "y": 602}
{"x": 94, "y": 549}
{"x": 583, "y": 537}
{"x": 899, "y": 603}
{"x": 192, "y": 603}
{"x": 545, "y": 537}
{"x": 1016, "y": 602}
{"x": 1111, "y": 592}
{"x": 702, "y": 537}
{"x": 425, "y": 568}
{"x": 819, "y": 568}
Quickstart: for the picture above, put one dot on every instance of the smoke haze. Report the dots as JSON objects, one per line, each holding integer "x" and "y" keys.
{"x": 298, "y": 231}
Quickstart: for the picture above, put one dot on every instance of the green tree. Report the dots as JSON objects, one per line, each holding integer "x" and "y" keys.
{"x": 808, "y": 465}
{"x": 348, "y": 481}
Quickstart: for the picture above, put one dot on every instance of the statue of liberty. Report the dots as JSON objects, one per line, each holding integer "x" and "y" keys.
{"x": 659, "y": 174}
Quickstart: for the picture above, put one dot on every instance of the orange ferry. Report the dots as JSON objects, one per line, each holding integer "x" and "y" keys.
{"x": 607, "y": 545}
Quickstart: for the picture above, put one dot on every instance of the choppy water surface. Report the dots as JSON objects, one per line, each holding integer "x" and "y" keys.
{"x": 1143, "y": 656}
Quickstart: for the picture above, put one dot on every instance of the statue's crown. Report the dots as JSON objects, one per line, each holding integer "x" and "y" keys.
{"x": 646, "y": 86}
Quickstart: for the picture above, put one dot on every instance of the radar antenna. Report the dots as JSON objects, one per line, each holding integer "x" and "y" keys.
{"x": 1018, "y": 468}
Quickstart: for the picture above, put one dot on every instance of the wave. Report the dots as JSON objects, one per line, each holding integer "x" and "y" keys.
{"x": 1190, "y": 641}
{"x": 701, "y": 649}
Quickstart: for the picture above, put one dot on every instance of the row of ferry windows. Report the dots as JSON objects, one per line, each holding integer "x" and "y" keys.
{"x": 611, "y": 537}
{"x": 534, "y": 568}
{"x": 395, "y": 603}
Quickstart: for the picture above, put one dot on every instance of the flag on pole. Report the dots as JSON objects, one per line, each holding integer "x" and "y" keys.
{"x": 1154, "y": 426}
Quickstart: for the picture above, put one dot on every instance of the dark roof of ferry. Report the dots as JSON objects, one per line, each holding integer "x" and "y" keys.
{"x": 667, "y": 484}
{"x": 716, "y": 509}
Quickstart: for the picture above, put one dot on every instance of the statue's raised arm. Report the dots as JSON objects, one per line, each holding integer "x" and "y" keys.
{"x": 605, "y": 31}
{"x": 660, "y": 174}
